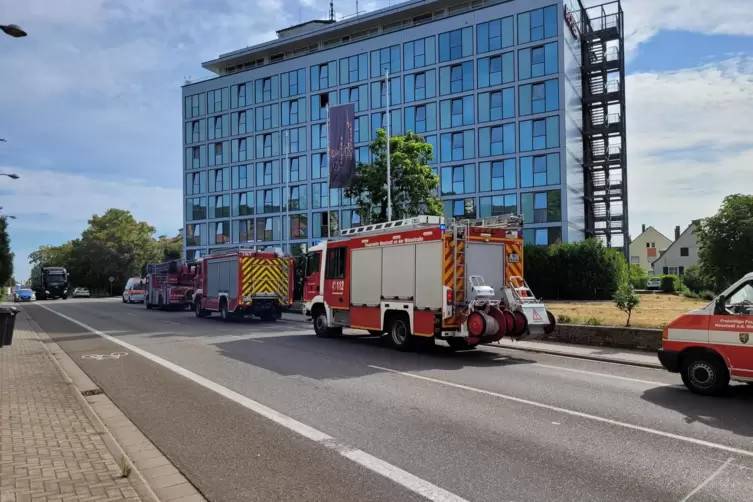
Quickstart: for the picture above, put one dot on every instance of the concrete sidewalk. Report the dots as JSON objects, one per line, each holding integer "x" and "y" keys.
{"x": 591, "y": 352}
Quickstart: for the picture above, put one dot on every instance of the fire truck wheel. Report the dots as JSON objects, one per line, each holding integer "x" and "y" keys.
{"x": 224, "y": 313}
{"x": 321, "y": 328}
{"x": 704, "y": 373}
{"x": 400, "y": 336}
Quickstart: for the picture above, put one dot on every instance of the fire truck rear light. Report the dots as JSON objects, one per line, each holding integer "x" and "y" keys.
{"x": 449, "y": 297}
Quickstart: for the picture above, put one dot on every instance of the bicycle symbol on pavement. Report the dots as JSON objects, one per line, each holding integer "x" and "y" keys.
{"x": 100, "y": 357}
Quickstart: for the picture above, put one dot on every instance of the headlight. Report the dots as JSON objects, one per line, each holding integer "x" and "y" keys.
{"x": 46, "y": 292}
{"x": 65, "y": 291}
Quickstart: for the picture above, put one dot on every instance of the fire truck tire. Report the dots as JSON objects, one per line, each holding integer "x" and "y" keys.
{"x": 400, "y": 336}
{"x": 123, "y": 298}
{"x": 552, "y": 323}
{"x": 225, "y": 315}
{"x": 147, "y": 304}
{"x": 321, "y": 327}
{"x": 521, "y": 323}
{"x": 704, "y": 373}
{"x": 460, "y": 344}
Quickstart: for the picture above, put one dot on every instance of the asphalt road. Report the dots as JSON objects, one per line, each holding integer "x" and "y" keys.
{"x": 489, "y": 425}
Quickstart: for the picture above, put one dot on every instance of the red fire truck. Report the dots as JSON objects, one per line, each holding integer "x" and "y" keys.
{"x": 242, "y": 282}
{"x": 169, "y": 284}
{"x": 419, "y": 280}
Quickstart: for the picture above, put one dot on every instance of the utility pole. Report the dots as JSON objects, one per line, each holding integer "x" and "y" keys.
{"x": 389, "y": 174}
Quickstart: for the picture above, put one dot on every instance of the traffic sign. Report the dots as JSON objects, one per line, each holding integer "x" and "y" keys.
{"x": 111, "y": 279}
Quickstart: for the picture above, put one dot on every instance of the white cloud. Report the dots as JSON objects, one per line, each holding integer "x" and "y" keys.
{"x": 690, "y": 141}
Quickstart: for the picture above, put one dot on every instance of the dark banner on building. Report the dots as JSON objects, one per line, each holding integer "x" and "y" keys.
{"x": 342, "y": 155}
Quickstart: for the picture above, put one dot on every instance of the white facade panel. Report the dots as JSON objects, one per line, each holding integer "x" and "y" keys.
{"x": 398, "y": 272}
{"x": 429, "y": 263}
{"x": 366, "y": 285}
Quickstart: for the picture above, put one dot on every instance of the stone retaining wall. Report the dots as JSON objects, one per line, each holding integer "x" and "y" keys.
{"x": 607, "y": 336}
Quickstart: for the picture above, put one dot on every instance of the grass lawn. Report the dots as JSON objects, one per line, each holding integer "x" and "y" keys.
{"x": 654, "y": 311}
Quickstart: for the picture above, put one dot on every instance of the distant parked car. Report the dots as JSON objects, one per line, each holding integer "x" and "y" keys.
{"x": 24, "y": 295}
{"x": 81, "y": 293}
{"x": 653, "y": 283}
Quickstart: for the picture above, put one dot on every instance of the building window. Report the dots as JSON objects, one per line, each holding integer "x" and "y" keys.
{"x": 267, "y": 89}
{"x": 494, "y": 35}
{"x": 325, "y": 224}
{"x": 218, "y": 100}
{"x": 456, "y": 112}
{"x": 542, "y": 236}
{"x": 299, "y": 226}
{"x": 379, "y": 93}
{"x": 350, "y": 218}
{"x": 420, "y": 86}
{"x": 196, "y": 209}
{"x": 498, "y": 175}
{"x": 498, "y": 205}
{"x": 296, "y": 139}
{"x": 537, "y": 24}
{"x": 359, "y": 96}
{"x": 196, "y": 183}
{"x": 243, "y": 231}
{"x": 421, "y": 118}
{"x": 384, "y": 60}
{"x": 538, "y": 98}
{"x": 419, "y": 53}
{"x": 456, "y": 78}
{"x": 219, "y": 153}
{"x": 195, "y": 235}
{"x": 319, "y": 195}
{"x": 540, "y": 170}
{"x": 324, "y": 76}
{"x": 460, "y": 208}
{"x": 267, "y": 117}
{"x": 195, "y": 105}
{"x": 238, "y": 96}
{"x": 496, "y": 105}
{"x": 537, "y": 61}
{"x": 458, "y": 146}
{"x": 684, "y": 252}
{"x": 268, "y": 201}
{"x": 496, "y": 70}
{"x": 219, "y": 206}
{"x": 267, "y": 145}
{"x": 240, "y": 177}
{"x": 268, "y": 173}
{"x": 635, "y": 260}
{"x": 318, "y": 136}
{"x": 354, "y": 69}
{"x": 238, "y": 123}
{"x": 458, "y": 180}
{"x": 196, "y": 157}
{"x": 456, "y": 44}
{"x": 298, "y": 198}
{"x": 219, "y": 180}
{"x": 539, "y": 134}
{"x": 268, "y": 229}
{"x": 319, "y": 168}
{"x": 220, "y": 233}
{"x": 239, "y": 150}
{"x": 497, "y": 140}
{"x": 243, "y": 204}
{"x": 541, "y": 207}
{"x": 293, "y": 83}
{"x": 294, "y": 112}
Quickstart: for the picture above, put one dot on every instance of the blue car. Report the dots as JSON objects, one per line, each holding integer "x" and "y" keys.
{"x": 25, "y": 295}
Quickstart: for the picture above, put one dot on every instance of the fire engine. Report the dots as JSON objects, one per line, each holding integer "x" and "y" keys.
{"x": 712, "y": 345}
{"x": 419, "y": 280}
{"x": 241, "y": 282}
{"x": 169, "y": 284}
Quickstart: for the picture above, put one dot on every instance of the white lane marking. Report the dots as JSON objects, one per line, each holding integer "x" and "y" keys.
{"x": 391, "y": 472}
{"x": 607, "y": 375}
{"x": 131, "y": 313}
{"x": 709, "y": 479}
{"x": 171, "y": 322}
{"x": 580, "y": 414}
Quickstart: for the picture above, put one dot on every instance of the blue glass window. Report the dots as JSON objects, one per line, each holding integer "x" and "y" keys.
{"x": 294, "y": 112}
{"x": 497, "y": 175}
{"x": 354, "y": 69}
{"x": 419, "y": 53}
{"x": 456, "y": 112}
{"x": 494, "y": 35}
{"x": 498, "y": 140}
{"x": 219, "y": 153}
{"x": 498, "y": 205}
{"x": 240, "y": 95}
{"x": 538, "y": 98}
{"x": 267, "y": 145}
{"x": 456, "y": 78}
{"x": 267, "y": 89}
{"x": 240, "y": 178}
{"x": 460, "y": 208}
{"x": 541, "y": 207}
{"x": 537, "y": 61}
{"x": 496, "y": 70}
{"x": 539, "y": 134}
{"x": 267, "y": 117}
{"x": 496, "y": 105}
{"x": 458, "y": 180}
{"x": 540, "y": 170}
{"x": 268, "y": 173}
{"x": 420, "y": 86}
{"x": 537, "y": 24}
{"x": 218, "y": 100}
{"x": 319, "y": 167}
{"x": 432, "y": 140}
{"x": 421, "y": 118}
{"x": 297, "y": 169}
{"x": 318, "y": 136}
{"x": 456, "y": 44}
{"x": 457, "y": 146}
{"x": 324, "y": 76}
{"x": 379, "y": 93}
{"x": 241, "y": 150}
{"x": 383, "y": 60}
{"x": 293, "y": 83}
{"x": 361, "y": 129}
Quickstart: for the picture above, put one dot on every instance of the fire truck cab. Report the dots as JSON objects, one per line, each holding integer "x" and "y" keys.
{"x": 712, "y": 345}
{"x": 419, "y": 280}
{"x": 169, "y": 284}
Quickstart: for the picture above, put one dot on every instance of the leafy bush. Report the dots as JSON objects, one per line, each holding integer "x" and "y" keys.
{"x": 583, "y": 270}
{"x": 593, "y": 321}
{"x": 626, "y": 300}
{"x": 707, "y": 295}
{"x": 687, "y": 293}
{"x": 639, "y": 282}
{"x": 564, "y": 319}
{"x": 670, "y": 283}
{"x": 696, "y": 280}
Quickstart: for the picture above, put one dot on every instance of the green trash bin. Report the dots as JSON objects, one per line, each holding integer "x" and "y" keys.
{"x": 7, "y": 324}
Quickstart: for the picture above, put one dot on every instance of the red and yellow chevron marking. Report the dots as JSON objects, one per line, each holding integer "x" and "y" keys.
{"x": 450, "y": 266}
{"x": 265, "y": 276}
{"x": 513, "y": 269}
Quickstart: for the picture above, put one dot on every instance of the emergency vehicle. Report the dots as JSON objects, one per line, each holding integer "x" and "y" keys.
{"x": 712, "y": 345}
{"x": 169, "y": 284}
{"x": 241, "y": 282}
{"x": 419, "y": 280}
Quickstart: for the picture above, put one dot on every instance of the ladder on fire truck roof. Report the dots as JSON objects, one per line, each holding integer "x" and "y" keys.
{"x": 390, "y": 226}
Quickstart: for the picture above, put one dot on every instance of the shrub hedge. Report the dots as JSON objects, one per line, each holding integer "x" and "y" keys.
{"x": 670, "y": 283}
{"x": 585, "y": 270}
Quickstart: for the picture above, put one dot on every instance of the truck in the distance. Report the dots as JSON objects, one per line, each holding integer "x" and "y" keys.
{"x": 49, "y": 282}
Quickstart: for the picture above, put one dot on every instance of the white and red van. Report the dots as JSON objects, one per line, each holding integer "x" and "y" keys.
{"x": 712, "y": 345}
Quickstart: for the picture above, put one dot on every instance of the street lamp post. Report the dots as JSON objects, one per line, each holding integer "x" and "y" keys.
{"x": 13, "y": 30}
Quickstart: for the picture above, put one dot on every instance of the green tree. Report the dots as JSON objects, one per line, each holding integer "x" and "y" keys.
{"x": 726, "y": 241}
{"x": 413, "y": 183}
{"x": 626, "y": 300}
{"x": 696, "y": 279}
{"x": 6, "y": 256}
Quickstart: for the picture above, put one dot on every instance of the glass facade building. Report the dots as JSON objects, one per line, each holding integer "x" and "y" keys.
{"x": 495, "y": 86}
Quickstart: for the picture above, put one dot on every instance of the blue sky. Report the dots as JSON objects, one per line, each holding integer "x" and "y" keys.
{"x": 90, "y": 105}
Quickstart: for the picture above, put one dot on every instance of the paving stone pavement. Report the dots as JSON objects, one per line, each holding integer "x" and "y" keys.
{"x": 49, "y": 449}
